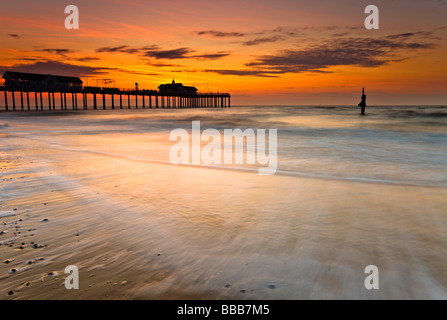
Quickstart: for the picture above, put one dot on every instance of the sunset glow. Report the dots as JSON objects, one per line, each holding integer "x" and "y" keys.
{"x": 262, "y": 52}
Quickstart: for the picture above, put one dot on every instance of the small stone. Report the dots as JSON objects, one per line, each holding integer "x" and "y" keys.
{"x": 228, "y": 286}
{"x": 10, "y": 293}
{"x": 243, "y": 291}
{"x": 45, "y": 220}
{"x": 123, "y": 283}
{"x": 13, "y": 270}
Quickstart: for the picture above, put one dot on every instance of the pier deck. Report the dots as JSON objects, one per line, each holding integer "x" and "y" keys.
{"x": 96, "y": 98}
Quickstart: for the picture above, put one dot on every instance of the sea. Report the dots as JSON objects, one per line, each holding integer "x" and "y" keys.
{"x": 349, "y": 192}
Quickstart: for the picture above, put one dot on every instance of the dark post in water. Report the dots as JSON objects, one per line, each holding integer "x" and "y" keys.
{"x": 362, "y": 104}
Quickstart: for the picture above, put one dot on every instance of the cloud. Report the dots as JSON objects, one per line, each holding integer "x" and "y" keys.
{"x": 122, "y": 49}
{"x": 56, "y": 68}
{"x": 257, "y": 73}
{"x": 61, "y": 52}
{"x": 66, "y": 69}
{"x": 220, "y": 34}
{"x": 422, "y": 34}
{"x": 157, "y": 53}
{"x": 180, "y": 53}
{"x": 86, "y": 59}
{"x": 346, "y": 52}
{"x": 320, "y": 57}
{"x": 162, "y": 64}
{"x": 258, "y": 41}
{"x": 212, "y": 56}
{"x": 13, "y": 35}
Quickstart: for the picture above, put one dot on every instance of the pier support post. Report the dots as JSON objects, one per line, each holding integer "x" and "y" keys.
{"x": 6, "y": 100}
{"x": 95, "y": 106}
{"x": 13, "y": 101}
{"x": 121, "y": 101}
{"x": 21, "y": 99}
{"x": 113, "y": 102}
{"x": 103, "y": 101}
{"x": 27, "y": 100}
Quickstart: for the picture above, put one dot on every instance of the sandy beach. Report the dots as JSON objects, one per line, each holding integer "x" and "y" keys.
{"x": 146, "y": 230}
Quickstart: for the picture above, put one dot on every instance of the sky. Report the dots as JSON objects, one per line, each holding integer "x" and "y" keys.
{"x": 263, "y": 52}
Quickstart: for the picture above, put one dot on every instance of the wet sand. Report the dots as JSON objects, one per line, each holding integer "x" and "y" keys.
{"x": 95, "y": 190}
{"x": 146, "y": 236}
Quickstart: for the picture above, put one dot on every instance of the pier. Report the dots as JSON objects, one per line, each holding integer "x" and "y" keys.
{"x": 97, "y": 98}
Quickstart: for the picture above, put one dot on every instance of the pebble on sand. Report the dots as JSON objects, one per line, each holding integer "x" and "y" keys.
{"x": 270, "y": 286}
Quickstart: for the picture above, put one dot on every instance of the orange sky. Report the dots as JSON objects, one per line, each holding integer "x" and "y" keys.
{"x": 262, "y": 52}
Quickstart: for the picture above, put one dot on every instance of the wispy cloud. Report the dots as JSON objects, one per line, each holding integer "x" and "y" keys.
{"x": 13, "y": 35}
{"x": 220, "y": 34}
{"x": 258, "y": 41}
{"x": 61, "y": 52}
{"x": 86, "y": 59}
{"x": 158, "y": 53}
{"x": 68, "y": 69}
{"x": 57, "y": 68}
{"x": 321, "y": 56}
{"x": 116, "y": 49}
{"x": 257, "y": 73}
{"x": 179, "y": 53}
{"x": 212, "y": 56}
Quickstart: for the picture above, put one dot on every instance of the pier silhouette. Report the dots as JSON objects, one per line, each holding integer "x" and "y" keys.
{"x": 43, "y": 90}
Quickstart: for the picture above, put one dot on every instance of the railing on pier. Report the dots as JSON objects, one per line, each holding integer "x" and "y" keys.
{"x": 97, "y": 98}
